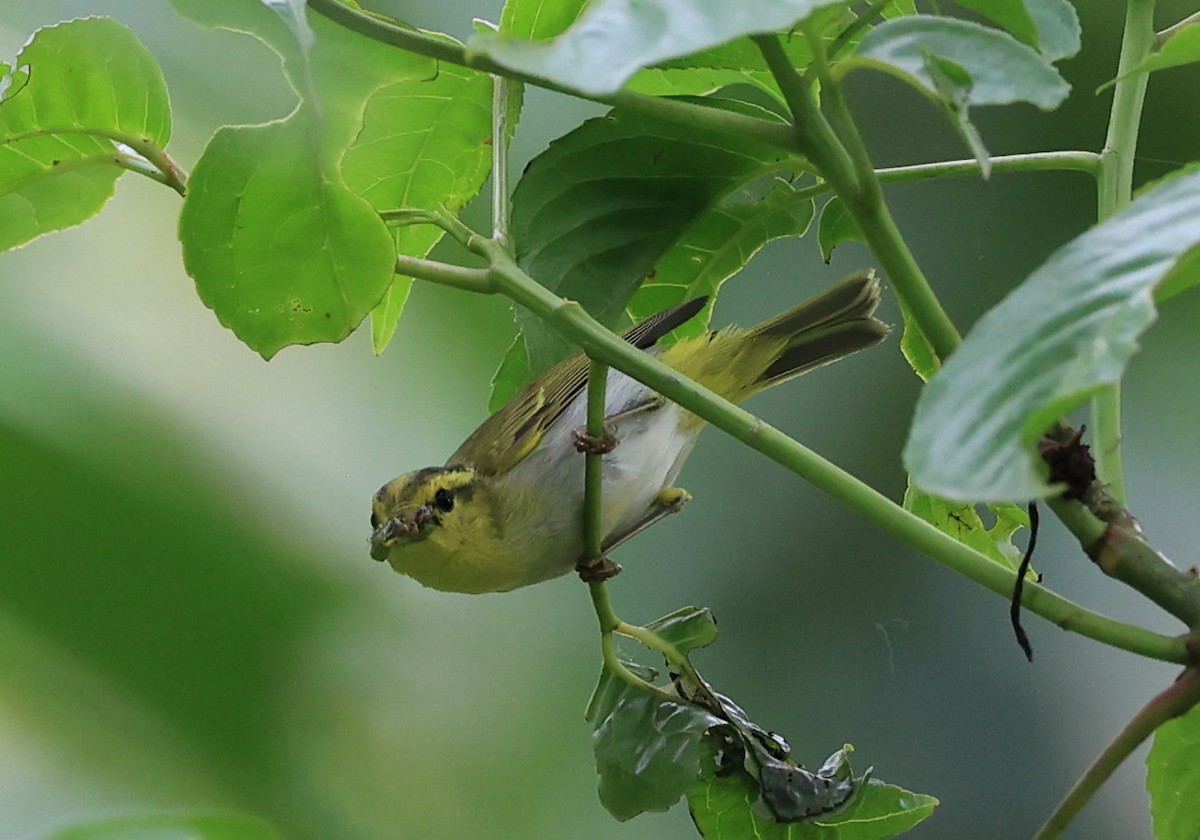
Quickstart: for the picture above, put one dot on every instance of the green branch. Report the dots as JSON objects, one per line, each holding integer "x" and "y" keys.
{"x": 1115, "y": 190}
{"x": 151, "y": 161}
{"x": 673, "y": 110}
{"x": 1182, "y": 695}
{"x": 842, "y": 159}
{"x": 572, "y": 320}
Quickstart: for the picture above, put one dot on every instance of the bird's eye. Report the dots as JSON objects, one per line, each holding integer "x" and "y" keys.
{"x": 444, "y": 500}
{"x": 374, "y": 519}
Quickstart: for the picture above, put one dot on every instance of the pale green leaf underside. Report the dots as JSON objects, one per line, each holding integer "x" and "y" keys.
{"x": 1066, "y": 331}
{"x": 281, "y": 253}
{"x": 999, "y": 69}
{"x": 424, "y": 143}
{"x": 1173, "y": 778}
{"x": 76, "y": 87}
{"x": 613, "y": 39}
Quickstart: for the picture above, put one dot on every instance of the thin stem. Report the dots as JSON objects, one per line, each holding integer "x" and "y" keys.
{"x": 674, "y": 110}
{"x": 468, "y": 279}
{"x": 842, "y": 160}
{"x": 593, "y": 537}
{"x": 1115, "y": 190}
{"x": 602, "y": 345}
{"x": 1181, "y": 696}
{"x": 502, "y": 93}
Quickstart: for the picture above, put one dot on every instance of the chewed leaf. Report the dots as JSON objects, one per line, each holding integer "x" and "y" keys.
{"x": 90, "y": 75}
{"x": 687, "y": 628}
{"x": 1069, "y": 329}
{"x": 196, "y": 827}
{"x": 647, "y": 746}
{"x": 613, "y": 39}
{"x": 963, "y": 522}
{"x": 260, "y": 208}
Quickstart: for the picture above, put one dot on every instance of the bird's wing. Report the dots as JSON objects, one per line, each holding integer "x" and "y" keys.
{"x": 509, "y": 435}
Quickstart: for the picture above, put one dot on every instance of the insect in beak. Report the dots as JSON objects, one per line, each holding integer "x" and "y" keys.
{"x": 404, "y": 527}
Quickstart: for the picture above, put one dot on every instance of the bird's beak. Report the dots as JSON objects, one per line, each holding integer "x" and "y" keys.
{"x": 402, "y": 528}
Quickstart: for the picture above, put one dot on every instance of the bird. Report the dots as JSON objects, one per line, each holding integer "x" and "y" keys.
{"x": 505, "y": 510}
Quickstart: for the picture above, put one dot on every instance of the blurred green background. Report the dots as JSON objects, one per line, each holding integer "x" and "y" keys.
{"x": 189, "y": 620}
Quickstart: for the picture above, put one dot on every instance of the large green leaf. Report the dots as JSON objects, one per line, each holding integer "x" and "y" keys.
{"x": 1173, "y": 778}
{"x": 714, "y": 248}
{"x": 1066, "y": 331}
{"x": 280, "y": 247}
{"x": 424, "y": 143}
{"x": 281, "y": 251}
{"x": 960, "y": 64}
{"x": 597, "y": 209}
{"x": 613, "y": 39}
{"x": 75, "y": 90}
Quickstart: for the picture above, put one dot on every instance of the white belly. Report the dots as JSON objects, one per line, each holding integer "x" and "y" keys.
{"x": 650, "y": 451}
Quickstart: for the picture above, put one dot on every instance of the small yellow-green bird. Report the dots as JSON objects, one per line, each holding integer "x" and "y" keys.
{"x": 506, "y": 509}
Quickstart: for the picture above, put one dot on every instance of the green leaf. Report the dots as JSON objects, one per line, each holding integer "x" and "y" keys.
{"x": 960, "y": 64}
{"x": 424, "y": 143}
{"x": 171, "y": 827}
{"x": 1065, "y": 332}
{"x": 281, "y": 251}
{"x": 1181, "y": 48}
{"x": 1173, "y": 778}
{"x": 722, "y": 807}
{"x": 613, "y": 39}
{"x": 836, "y": 226}
{"x": 1049, "y": 26}
{"x": 597, "y": 209}
{"x": 76, "y": 90}
{"x": 963, "y": 522}
{"x": 714, "y": 248}
{"x": 917, "y": 350}
{"x": 687, "y": 628}
{"x": 647, "y": 746}
{"x": 299, "y": 258}
{"x": 537, "y": 20}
